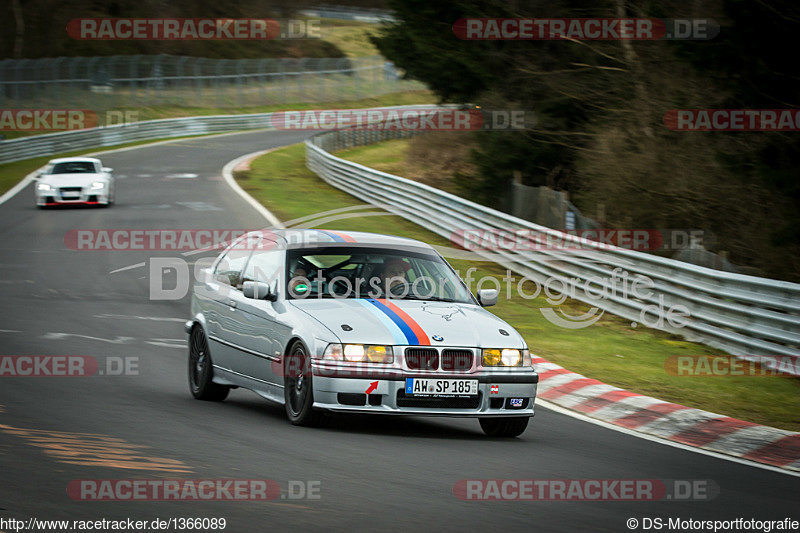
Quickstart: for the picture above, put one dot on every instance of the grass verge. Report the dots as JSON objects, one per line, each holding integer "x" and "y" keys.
{"x": 610, "y": 350}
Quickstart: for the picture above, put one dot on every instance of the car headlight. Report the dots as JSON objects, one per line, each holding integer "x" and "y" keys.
{"x": 379, "y": 354}
{"x": 354, "y": 352}
{"x": 506, "y": 357}
{"x": 359, "y": 353}
{"x": 98, "y": 185}
{"x": 44, "y": 187}
{"x": 333, "y": 352}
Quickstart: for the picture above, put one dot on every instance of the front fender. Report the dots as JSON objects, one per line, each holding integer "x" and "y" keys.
{"x": 198, "y": 318}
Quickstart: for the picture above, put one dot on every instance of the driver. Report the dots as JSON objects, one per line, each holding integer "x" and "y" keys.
{"x": 299, "y": 277}
{"x": 394, "y": 276}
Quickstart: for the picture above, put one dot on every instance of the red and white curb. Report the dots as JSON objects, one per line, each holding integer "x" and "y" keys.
{"x": 670, "y": 421}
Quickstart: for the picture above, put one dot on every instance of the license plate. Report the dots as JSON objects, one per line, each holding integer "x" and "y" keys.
{"x": 441, "y": 387}
{"x": 70, "y": 195}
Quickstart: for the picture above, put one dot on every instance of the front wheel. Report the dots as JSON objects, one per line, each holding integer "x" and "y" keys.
{"x": 298, "y": 393}
{"x": 201, "y": 370}
{"x": 504, "y": 427}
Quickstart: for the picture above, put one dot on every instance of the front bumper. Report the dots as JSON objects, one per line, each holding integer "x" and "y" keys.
{"x": 337, "y": 389}
{"x": 85, "y": 197}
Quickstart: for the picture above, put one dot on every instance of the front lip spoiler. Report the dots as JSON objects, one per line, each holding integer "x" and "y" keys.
{"x": 78, "y": 202}
{"x": 486, "y": 377}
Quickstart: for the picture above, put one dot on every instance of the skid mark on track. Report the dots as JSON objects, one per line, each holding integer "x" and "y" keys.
{"x": 129, "y": 267}
{"x": 55, "y": 336}
{"x": 135, "y": 317}
{"x": 169, "y": 343}
{"x": 200, "y": 206}
{"x": 93, "y": 449}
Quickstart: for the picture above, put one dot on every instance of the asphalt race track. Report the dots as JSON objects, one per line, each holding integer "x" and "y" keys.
{"x": 374, "y": 472}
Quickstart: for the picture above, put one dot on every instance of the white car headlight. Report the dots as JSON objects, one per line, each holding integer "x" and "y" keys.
{"x": 44, "y": 187}
{"x": 359, "y": 353}
{"x": 98, "y": 185}
{"x": 354, "y": 352}
{"x": 333, "y": 352}
{"x": 511, "y": 357}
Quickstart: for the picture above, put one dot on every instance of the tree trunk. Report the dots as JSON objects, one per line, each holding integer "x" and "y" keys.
{"x": 16, "y": 7}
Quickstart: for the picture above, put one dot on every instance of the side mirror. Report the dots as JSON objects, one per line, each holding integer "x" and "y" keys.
{"x": 205, "y": 275}
{"x": 258, "y": 290}
{"x": 487, "y": 297}
{"x": 108, "y": 170}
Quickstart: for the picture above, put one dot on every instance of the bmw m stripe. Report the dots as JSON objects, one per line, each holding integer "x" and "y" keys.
{"x": 338, "y": 236}
{"x": 397, "y": 334}
{"x": 422, "y": 337}
{"x": 413, "y": 333}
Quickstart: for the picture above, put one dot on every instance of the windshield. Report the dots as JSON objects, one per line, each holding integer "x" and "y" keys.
{"x": 73, "y": 167}
{"x": 338, "y": 272}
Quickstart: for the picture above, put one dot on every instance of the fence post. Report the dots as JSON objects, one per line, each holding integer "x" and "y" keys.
{"x": 180, "y": 80}
{"x": 220, "y": 100}
{"x": 132, "y": 72}
{"x": 240, "y": 80}
{"x": 198, "y": 81}
{"x": 262, "y": 69}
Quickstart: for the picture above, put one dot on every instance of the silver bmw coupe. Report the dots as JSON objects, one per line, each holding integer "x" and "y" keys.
{"x": 328, "y": 321}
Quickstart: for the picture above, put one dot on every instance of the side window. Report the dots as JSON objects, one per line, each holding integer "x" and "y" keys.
{"x": 230, "y": 267}
{"x": 265, "y": 265}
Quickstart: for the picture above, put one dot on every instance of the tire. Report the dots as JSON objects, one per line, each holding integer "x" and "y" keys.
{"x": 298, "y": 392}
{"x": 504, "y": 427}
{"x": 201, "y": 370}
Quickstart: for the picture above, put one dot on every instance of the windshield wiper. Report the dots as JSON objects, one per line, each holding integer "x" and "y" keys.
{"x": 426, "y": 299}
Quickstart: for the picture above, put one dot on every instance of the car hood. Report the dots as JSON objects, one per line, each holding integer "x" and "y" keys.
{"x": 410, "y": 322}
{"x": 71, "y": 180}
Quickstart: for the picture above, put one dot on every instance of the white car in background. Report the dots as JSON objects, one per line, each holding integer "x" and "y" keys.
{"x": 75, "y": 180}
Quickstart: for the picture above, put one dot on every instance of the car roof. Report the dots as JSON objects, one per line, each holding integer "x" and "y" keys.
{"x": 74, "y": 160}
{"x": 312, "y": 238}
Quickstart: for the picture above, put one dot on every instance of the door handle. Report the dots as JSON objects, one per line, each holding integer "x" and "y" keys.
{"x": 232, "y": 304}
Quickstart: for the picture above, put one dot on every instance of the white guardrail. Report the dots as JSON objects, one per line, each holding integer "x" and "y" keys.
{"x": 68, "y": 141}
{"x": 747, "y": 316}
